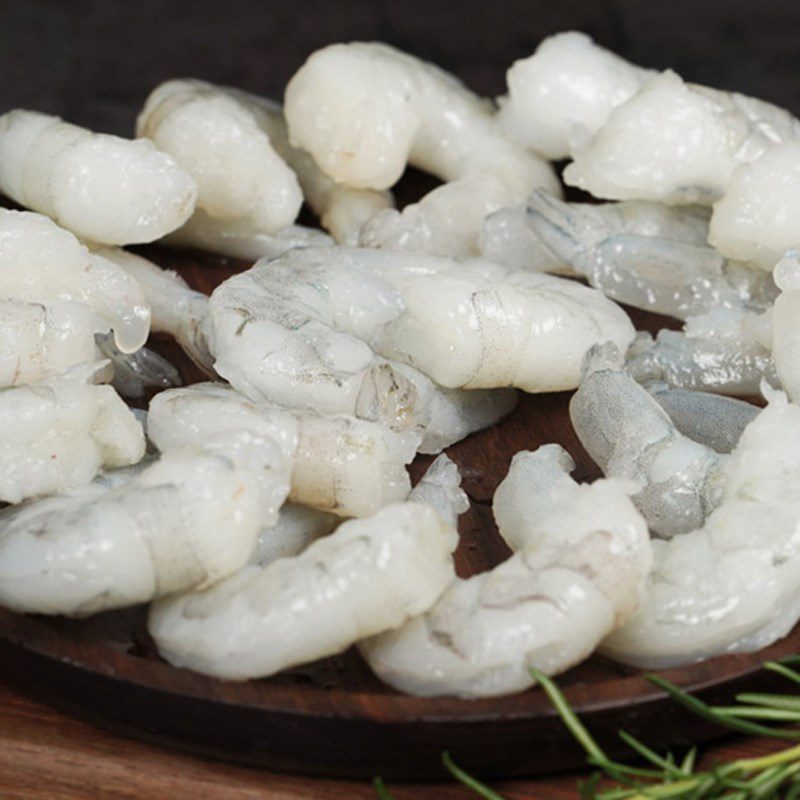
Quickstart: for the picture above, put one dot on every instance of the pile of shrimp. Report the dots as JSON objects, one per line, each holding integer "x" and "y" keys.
{"x": 265, "y": 514}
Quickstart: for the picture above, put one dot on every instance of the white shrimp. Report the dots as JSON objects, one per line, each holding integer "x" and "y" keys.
{"x": 340, "y": 464}
{"x": 176, "y": 309}
{"x": 241, "y": 240}
{"x": 41, "y": 262}
{"x": 59, "y": 432}
{"x": 365, "y": 110}
{"x": 183, "y": 522}
{"x": 297, "y": 527}
{"x": 368, "y": 576}
{"x": 758, "y": 217}
{"x": 102, "y": 188}
{"x": 786, "y": 325}
{"x": 644, "y": 254}
{"x": 677, "y": 143}
{"x": 713, "y": 420}
{"x": 296, "y": 331}
{"x": 727, "y": 351}
{"x": 579, "y": 574}
{"x": 731, "y": 585}
{"x": 564, "y": 92}
{"x": 629, "y": 435}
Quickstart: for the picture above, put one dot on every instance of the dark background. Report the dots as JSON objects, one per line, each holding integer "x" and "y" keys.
{"x": 94, "y": 61}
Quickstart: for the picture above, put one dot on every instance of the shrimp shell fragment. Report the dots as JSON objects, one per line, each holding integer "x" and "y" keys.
{"x": 368, "y": 576}
{"x": 58, "y": 433}
{"x": 102, "y": 188}
{"x": 585, "y": 554}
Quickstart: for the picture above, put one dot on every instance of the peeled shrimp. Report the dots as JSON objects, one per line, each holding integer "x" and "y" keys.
{"x": 644, "y": 254}
{"x": 579, "y": 574}
{"x": 369, "y": 576}
{"x": 176, "y": 309}
{"x": 59, "y": 432}
{"x": 100, "y": 187}
{"x": 136, "y": 373}
{"x": 297, "y": 527}
{"x": 727, "y": 351}
{"x": 364, "y": 111}
{"x": 758, "y": 217}
{"x": 340, "y": 464}
{"x": 677, "y": 143}
{"x": 40, "y": 262}
{"x": 296, "y": 331}
{"x": 564, "y": 93}
{"x": 629, "y": 435}
{"x": 786, "y": 325}
{"x": 731, "y": 585}
{"x": 183, "y": 522}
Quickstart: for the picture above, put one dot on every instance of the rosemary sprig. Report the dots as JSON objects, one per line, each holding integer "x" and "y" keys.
{"x": 663, "y": 777}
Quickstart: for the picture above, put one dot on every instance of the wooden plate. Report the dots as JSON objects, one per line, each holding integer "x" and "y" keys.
{"x": 334, "y": 718}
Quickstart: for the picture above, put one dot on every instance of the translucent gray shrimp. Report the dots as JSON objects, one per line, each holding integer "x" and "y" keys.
{"x": 102, "y": 188}
{"x": 579, "y": 574}
{"x": 40, "y": 262}
{"x": 339, "y": 464}
{"x": 365, "y": 110}
{"x": 176, "y": 309}
{"x": 730, "y": 586}
{"x": 184, "y": 521}
{"x": 728, "y": 351}
{"x": 56, "y": 434}
{"x": 644, "y": 254}
{"x": 369, "y": 575}
{"x": 713, "y": 420}
{"x": 136, "y": 373}
{"x": 296, "y": 331}
{"x": 629, "y": 435}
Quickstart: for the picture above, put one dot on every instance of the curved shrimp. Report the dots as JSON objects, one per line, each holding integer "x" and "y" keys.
{"x": 564, "y": 92}
{"x": 727, "y": 351}
{"x": 102, "y": 188}
{"x": 644, "y": 254}
{"x": 296, "y": 331}
{"x": 629, "y": 435}
{"x": 368, "y": 576}
{"x": 758, "y": 217}
{"x": 785, "y": 316}
{"x": 59, "y": 432}
{"x": 364, "y": 111}
{"x": 677, "y": 143}
{"x": 183, "y": 522}
{"x": 579, "y": 574}
{"x": 731, "y": 585}
{"x": 297, "y": 527}
{"x": 340, "y": 464}
{"x": 40, "y": 262}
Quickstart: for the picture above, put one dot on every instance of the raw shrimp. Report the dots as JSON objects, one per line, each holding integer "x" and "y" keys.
{"x": 732, "y": 585}
{"x": 727, "y": 351}
{"x": 59, "y": 432}
{"x": 713, "y": 420}
{"x": 629, "y": 435}
{"x": 297, "y": 527}
{"x": 241, "y": 240}
{"x": 43, "y": 339}
{"x": 340, "y": 464}
{"x": 295, "y": 331}
{"x": 136, "y": 373}
{"x": 564, "y": 92}
{"x": 677, "y": 143}
{"x": 40, "y": 262}
{"x": 580, "y": 573}
{"x": 364, "y": 111}
{"x": 786, "y": 325}
{"x": 440, "y": 488}
{"x": 368, "y": 576}
{"x": 176, "y": 309}
{"x": 644, "y": 254}
{"x": 102, "y": 188}
{"x": 758, "y": 217}
{"x": 184, "y": 522}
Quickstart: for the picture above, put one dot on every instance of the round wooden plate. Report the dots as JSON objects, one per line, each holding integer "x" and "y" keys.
{"x": 333, "y": 717}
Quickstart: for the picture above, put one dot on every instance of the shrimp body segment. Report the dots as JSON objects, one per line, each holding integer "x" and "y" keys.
{"x": 102, "y": 188}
